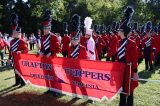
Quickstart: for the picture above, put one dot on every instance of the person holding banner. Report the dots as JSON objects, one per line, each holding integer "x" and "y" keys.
{"x": 76, "y": 50}
{"x": 49, "y": 41}
{"x": 17, "y": 45}
{"x": 127, "y": 53}
{"x": 90, "y": 43}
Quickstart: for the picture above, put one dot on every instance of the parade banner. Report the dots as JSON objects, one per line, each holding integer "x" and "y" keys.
{"x": 82, "y": 78}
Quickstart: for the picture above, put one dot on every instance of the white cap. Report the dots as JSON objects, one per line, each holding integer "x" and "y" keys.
{"x": 88, "y": 24}
{"x": 89, "y": 31}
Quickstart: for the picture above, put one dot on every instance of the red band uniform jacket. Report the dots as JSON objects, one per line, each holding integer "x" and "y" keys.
{"x": 65, "y": 43}
{"x": 131, "y": 56}
{"x": 148, "y": 50}
{"x": 17, "y": 44}
{"x": 54, "y": 45}
{"x": 77, "y": 52}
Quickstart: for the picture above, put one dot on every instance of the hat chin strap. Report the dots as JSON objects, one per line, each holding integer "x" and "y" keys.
{"x": 47, "y": 33}
{"x": 47, "y": 27}
{"x": 74, "y": 38}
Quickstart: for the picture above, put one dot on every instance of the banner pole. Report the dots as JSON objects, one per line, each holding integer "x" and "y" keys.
{"x": 129, "y": 85}
{"x": 130, "y": 70}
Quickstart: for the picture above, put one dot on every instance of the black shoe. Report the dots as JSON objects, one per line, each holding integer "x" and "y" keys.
{"x": 75, "y": 98}
{"x": 91, "y": 101}
{"x": 146, "y": 69}
{"x": 16, "y": 84}
{"x": 51, "y": 92}
{"x": 22, "y": 84}
{"x": 150, "y": 69}
{"x": 48, "y": 92}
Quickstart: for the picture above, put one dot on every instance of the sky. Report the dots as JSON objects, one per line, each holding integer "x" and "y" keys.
{"x": 25, "y": 0}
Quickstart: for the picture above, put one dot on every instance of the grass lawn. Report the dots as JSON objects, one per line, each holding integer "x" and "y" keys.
{"x": 147, "y": 94}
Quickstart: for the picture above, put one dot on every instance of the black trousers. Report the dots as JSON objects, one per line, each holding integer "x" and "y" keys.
{"x": 107, "y": 59}
{"x": 19, "y": 80}
{"x": 65, "y": 53}
{"x": 147, "y": 57}
{"x": 157, "y": 59}
{"x": 126, "y": 100}
{"x": 2, "y": 57}
{"x": 104, "y": 52}
{"x": 100, "y": 57}
{"x": 140, "y": 60}
{"x": 148, "y": 64}
{"x": 31, "y": 46}
{"x": 113, "y": 58}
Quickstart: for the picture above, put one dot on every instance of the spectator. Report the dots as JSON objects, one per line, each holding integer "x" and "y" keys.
{"x": 32, "y": 40}
{"x": 3, "y": 44}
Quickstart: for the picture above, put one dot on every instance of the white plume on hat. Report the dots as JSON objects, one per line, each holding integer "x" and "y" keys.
{"x": 88, "y": 24}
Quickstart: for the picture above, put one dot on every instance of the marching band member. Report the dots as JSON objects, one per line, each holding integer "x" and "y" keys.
{"x": 137, "y": 40}
{"x": 83, "y": 39}
{"x": 106, "y": 40}
{"x": 65, "y": 41}
{"x": 148, "y": 47}
{"x": 113, "y": 44}
{"x": 100, "y": 43}
{"x": 76, "y": 50}
{"x": 157, "y": 42}
{"x": 142, "y": 33}
{"x": 90, "y": 43}
{"x": 127, "y": 53}
{"x": 49, "y": 42}
{"x": 17, "y": 45}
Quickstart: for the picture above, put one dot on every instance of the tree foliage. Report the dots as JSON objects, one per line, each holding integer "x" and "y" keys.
{"x": 102, "y": 11}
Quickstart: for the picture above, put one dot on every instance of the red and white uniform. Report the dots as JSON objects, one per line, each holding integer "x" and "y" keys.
{"x": 83, "y": 41}
{"x": 130, "y": 56}
{"x": 157, "y": 43}
{"x": 138, "y": 42}
{"x": 65, "y": 43}
{"x": 106, "y": 40}
{"x": 148, "y": 51}
{"x": 100, "y": 44}
{"x": 3, "y": 44}
{"x": 54, "y": 46}
{"x": 77, "y": 52}
{"x": 91, "y": 49}
{"x": 17, "y": 45}
{"x": 112, "y": 48}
